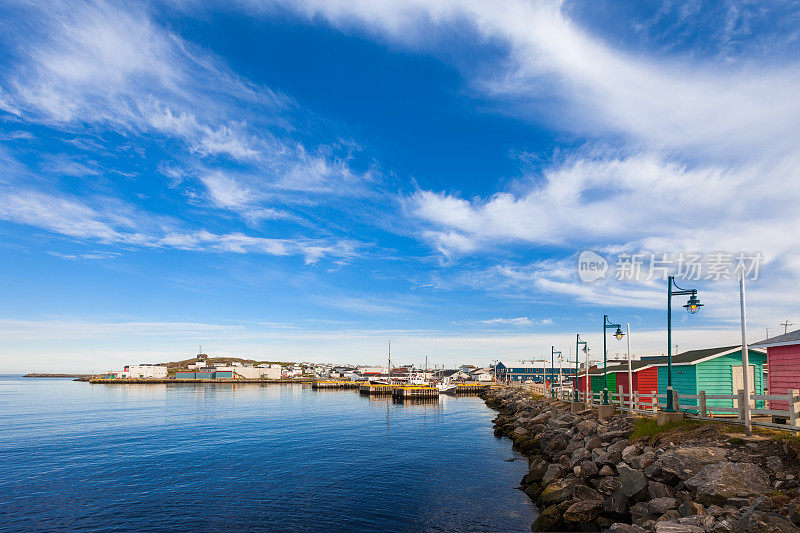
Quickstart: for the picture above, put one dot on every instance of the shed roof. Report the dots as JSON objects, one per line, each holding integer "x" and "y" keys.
{"x": 693, "y": 357}
{"x": 793, "y": 337}
{"x": 623, "y": 367}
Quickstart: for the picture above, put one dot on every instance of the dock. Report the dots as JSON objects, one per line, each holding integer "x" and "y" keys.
{"x": 377, "y": 389}
{"x": 415, "y": 391}
{"x": 471, "y": 387}
{"x": 332, "y": 384}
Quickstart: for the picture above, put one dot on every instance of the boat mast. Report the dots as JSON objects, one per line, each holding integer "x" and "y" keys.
{"x": 389, "y": 379}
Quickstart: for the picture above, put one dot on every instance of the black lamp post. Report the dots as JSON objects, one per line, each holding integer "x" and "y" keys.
{"x": 578, "y": 342}
{"x": 553, "y": 353}
{"x": 617, "y": 335}
{"x": 692, "y": 305}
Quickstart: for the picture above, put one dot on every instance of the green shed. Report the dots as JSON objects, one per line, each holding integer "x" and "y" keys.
{"x": 598, "y": 383}
{"x": 715, "y": 371}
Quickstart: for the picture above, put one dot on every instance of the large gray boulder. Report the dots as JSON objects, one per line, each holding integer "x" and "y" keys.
{"x": 629, "y": 452}
{"x": 541, "y": 418}
{"x": 616, "y": 504}
{"x": 607, "y": 485}
{"x": 582, "y": 492}
{"x": 633, "y": 481}
{"x": 583, "y": 511}
{"x": 684, "y": 463}
{"x": 587, "y": 427}
{"x": 538, "y": 467}
{"x": 556, "y": 444}
{"x": 640, "y": 462}
{"x": 619, "y": 527}
{"x": 579, "y": 455}
{"x": 656, "y": 506}
{"x": 593, "y": 442}
{"x": 557, "y": 492}
{"x": 553, "y": 471}
{"x": 764, "y": 523}
{"x": 519, "y": 432}
{"x": 660, "y": 490}
{"x": 588, "y": 469}
{"x": 715, "y": 483}
{"x": 670, "y": 526}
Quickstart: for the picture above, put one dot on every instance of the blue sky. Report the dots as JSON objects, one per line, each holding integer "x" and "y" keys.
{"x": 305, "y": 180}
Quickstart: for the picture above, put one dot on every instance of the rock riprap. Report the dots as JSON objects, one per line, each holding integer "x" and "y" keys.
{"x": 586, "y": 474}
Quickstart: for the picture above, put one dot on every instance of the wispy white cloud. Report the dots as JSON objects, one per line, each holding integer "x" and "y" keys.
{"x": 114, "y": 222}
{"x": 680, "y": 152}
{"x": 109, "y": 65}
{"x": 518, "y": 321}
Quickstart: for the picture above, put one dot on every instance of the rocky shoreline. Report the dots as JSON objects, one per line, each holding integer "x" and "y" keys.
{"x": 587, "y": 474}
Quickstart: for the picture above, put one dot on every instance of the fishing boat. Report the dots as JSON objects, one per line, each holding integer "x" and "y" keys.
{"x": 447, "y": 388}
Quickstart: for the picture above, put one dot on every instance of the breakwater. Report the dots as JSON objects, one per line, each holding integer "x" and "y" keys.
{"x": 587, "y": 474}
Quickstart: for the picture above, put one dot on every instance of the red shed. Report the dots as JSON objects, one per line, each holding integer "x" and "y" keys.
{"x": 644, "y": 375}
{"x": 783, "y": 365}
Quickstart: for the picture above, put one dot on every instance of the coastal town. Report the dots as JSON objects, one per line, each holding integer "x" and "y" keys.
{"x": 707, "y": 382}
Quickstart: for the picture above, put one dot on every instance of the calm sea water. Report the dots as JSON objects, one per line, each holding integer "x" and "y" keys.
{"x": 75, "y": 456}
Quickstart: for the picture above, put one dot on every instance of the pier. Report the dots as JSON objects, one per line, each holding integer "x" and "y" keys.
{"x": 377, "y": 388}
{"x": 331, "y": 384}
{"x": 415, "y": 391}
{"x": 471, "y": 387}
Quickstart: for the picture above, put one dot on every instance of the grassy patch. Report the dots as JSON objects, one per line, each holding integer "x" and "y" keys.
{"x": 647, "y": 427}
{"x": 736, "y": 441}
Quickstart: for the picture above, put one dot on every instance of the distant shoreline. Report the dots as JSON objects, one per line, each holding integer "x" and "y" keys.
{"x": 41, "y": 375}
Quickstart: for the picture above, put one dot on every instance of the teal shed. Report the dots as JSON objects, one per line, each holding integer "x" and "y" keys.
{"x": 715, "y": 371}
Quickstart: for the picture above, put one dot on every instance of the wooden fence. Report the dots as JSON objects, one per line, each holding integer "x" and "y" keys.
{"x": 650, "y": 403}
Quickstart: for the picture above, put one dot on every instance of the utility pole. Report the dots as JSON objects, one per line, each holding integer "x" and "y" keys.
{"x": 786, "y": 325}
{"x": 630, "y": 373}
{"x": 745, "y": 357}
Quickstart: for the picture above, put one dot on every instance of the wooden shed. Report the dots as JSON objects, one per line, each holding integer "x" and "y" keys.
{"x": 596, "y": 381}
{"x": 644, "y": 375}
{"x": 783, "y": 365}
{"x": 715, "y": 371}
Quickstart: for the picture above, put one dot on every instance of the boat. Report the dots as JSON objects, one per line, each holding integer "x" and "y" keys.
{"x": 447, "y": 388}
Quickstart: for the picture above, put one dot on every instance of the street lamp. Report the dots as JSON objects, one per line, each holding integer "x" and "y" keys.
{"x": 553, "y": 353}
{"x": 578, "y": 342}
{"x": 692, "y": 305}
{"x": 617, "y": 335}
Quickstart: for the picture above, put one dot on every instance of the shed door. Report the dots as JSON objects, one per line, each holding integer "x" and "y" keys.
{"x": 738, "y": 385}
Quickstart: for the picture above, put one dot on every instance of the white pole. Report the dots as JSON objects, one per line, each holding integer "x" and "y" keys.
{"x": 586, "y": 375}
{"x": 745, "y": 356}
{"x": 560, "y": 381}
{"x": 630, "y": 373}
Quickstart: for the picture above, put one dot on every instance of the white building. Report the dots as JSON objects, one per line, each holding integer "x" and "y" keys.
{"x": 258, "y": 372}
{"x": 481, "y": 375}
{"x": 145, "y": 372}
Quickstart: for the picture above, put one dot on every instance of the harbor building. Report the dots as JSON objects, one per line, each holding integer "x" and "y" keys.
{"x": 143, "y": 372}
{"x": 534, "y": 371}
